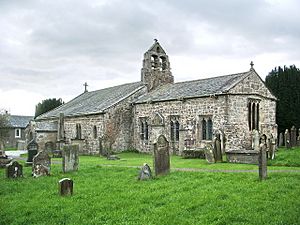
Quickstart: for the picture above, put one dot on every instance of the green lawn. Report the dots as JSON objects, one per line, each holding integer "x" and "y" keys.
{"x": 112, "y": 195}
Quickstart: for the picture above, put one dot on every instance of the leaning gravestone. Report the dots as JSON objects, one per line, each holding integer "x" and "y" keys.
{"x": 293, "y": 136}
{"x": 255, "y": 140}
{"x": 32, "y": 148}
{"x": 262, "y": 159}
{"x": 145, "y": 172}
{"x": 161, "y": 156}
{"x": 70, "y": 158}
{"x": 287, "y": 141}
{"x": 14, "y": 170}
{"x": 209, "y": 153}
{"x": 65, "y": 186}
{"x": 41, "y": 164}
{"x": 217, "y": 148}
{"x": 280, "y": 143}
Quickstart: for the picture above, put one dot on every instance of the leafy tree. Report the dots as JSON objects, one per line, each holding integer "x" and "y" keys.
{"x": 4, "y": 123}
{"x": 47, "y": 105}
{"x": 284, "y": 83}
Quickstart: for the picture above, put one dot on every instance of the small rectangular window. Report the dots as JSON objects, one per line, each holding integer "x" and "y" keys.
{"x": 17, "y": 133}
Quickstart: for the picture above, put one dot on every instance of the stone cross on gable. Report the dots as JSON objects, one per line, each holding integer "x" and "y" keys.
{"x": 251, "y": 64}
{"x": 85, "y": 87}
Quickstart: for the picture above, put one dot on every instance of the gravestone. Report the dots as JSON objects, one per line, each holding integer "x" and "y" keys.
{"x": 32, "y": 148}
{"x": 14, "y": 170}
{"x": 65, "y": 187}
{"x": 287, "y": 142}
{"x": 49, "y": 147}
{"x": 272, "y": 147}
{"x": 4, "y": 159}
{"x": 255, "y": 140}
{"x": 70, "y": 158}
{"x": 209, "y": 153}
{"x": 262, "y": 160}
{"x": 161, "y": 156}
{"x": 145, "y": 172}
{"x": 217, "y": 148}
{"x": 280, "y": 143}
{"x": 41, "y": 164}
{"x": 293, "y": 139}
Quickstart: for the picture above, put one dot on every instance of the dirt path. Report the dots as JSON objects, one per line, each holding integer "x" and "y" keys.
{"x": 210, "y": 170}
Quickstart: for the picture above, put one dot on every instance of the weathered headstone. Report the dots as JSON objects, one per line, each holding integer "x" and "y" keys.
{"x": 255, "y": 140}
{"x": 41, "y": 164}
{"x": 61, "y": 128}
{"x": 70, "y": 158}
{"x": 272, "y": 147}
{"x": 14, "y": 170}
{"x": 262, "y": 159}
{"x": 65, "y": 186}
{"x": 145, "y": 172}
{"x": 280, "y": 143}
{"x": 161, "y": 156}
{"x": 293, "y": 136}
{"x": 209, "y": 153}
{"x": 217, "y": 148}
{"x": 49, "y": 146}
{"x": 287, "y": 142}
{"x": 32, "y": 148}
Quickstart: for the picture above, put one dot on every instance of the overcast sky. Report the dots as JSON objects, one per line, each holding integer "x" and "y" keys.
{"x": 48, "y": 49}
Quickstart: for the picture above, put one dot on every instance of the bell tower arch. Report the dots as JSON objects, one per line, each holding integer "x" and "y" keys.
{"x": 156, "y": 69}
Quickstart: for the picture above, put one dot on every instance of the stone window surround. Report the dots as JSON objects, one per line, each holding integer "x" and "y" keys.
{"x": 174, "y": 128}
{"x": 144, "y": 128}
{"x": 18, "y": 133}
{"x": 95, "y": 132}
{"x": 205, "y": 127}
{"x": 253, "y": 113}
{"x": 78, "y": 131}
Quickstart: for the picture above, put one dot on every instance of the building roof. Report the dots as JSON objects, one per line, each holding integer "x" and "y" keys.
{"x": 95, "y": 101}
{"x": 46, "y": 126}
{"x": 19, "y": 121}
{"x": 193, "y": 89}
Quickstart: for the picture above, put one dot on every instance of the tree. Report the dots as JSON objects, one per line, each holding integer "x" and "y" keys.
{"x": 284, "y": 83}
{"x": 47, "y": 105}
{"x": 4, "y": 123}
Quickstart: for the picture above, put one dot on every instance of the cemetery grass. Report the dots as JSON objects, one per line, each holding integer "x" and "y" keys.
{"x": 112, "y": 195}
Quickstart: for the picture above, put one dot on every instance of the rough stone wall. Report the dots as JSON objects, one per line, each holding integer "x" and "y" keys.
{"x": 43, "y": 137}
{"x": 237, "y": 129}
{"x": 229, "y": 113}
{"x": 189, "y": 111}
{"x": 90, "y": 144}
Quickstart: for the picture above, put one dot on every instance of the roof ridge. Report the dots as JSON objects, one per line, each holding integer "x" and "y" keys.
{"x": 210, "y": 78}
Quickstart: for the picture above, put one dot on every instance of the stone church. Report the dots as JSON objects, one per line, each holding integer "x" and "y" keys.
{"x": 189, "y": 114}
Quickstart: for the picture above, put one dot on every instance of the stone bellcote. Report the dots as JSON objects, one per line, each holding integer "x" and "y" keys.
{"x": 156, "y": 69}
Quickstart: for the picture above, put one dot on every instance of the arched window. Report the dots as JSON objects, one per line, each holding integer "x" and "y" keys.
{"x": 172, "y": 130}
{"x": 144, "y": 129}
{"x": 203, "y": 129}
{"x": 177, "y": 130}
{"x": 95, "y": 132}
{"x": 209, "y": 129}
{"x": 78, "y": 131}
{"x": 253, "y": 114}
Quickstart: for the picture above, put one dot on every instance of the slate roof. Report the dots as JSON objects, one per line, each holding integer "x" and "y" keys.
{"x": 46, "y": 126}
{"x": 94, "y": 101}
{"x": 193, "y": 89}
{"x": 19, "y": 121}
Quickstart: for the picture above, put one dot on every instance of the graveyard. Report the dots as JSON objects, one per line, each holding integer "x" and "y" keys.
{"x": 192, "y": 192}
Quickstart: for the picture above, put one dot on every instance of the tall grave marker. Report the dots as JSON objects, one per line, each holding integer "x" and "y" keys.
{"x": 70, "y": 158}
{"x": 161, "y": 156}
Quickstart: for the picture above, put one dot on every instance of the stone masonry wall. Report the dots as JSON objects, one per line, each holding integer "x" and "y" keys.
{"x": 189, "y": 112}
